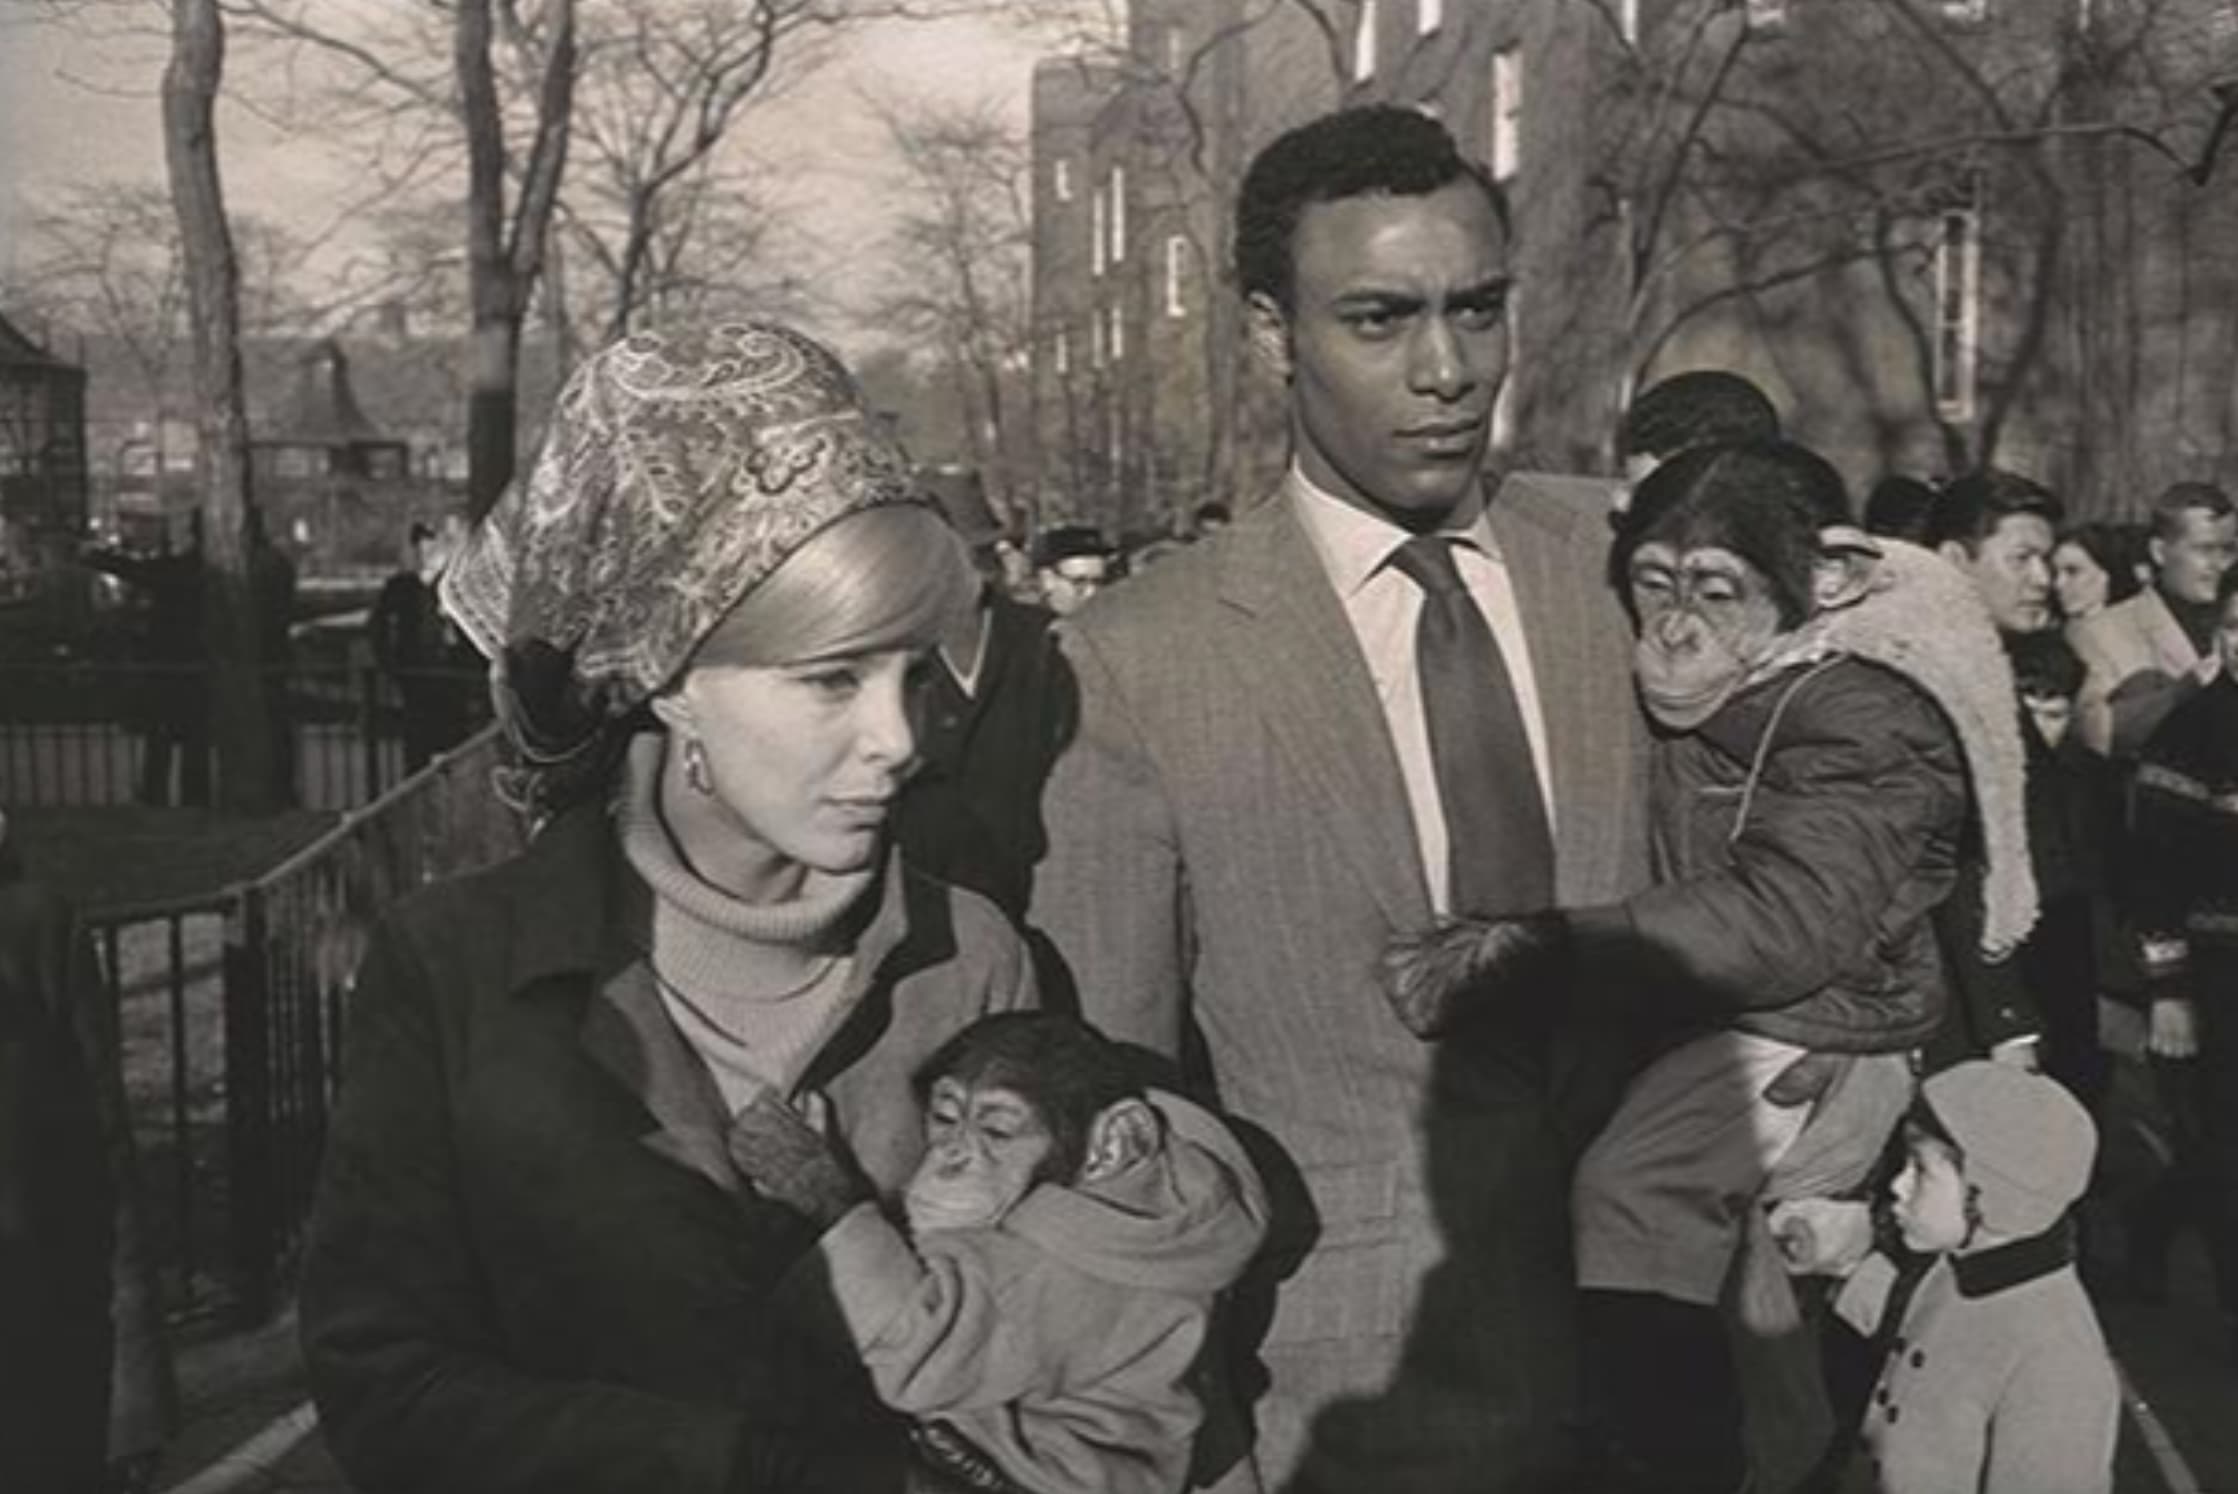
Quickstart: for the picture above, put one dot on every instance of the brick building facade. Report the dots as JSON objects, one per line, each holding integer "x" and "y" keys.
{"x": 1934, "y": 229}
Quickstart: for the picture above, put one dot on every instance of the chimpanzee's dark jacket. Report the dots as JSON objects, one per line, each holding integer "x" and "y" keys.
{"x": 1793, "y": 897}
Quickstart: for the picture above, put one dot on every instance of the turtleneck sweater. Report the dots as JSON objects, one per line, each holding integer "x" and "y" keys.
{"x": 703, "y": 945}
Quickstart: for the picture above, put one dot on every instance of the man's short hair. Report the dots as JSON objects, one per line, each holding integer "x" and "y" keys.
{"x": 1373, "y": 148}
{"x": 1070, "y": 542}
{"x": 1971, "y": 507}
{"x": 2045, "y": 665}
{"x": 1697, "y": 408}
{"x": 1900, "y": 507}
{"x": 2181, "y": 498}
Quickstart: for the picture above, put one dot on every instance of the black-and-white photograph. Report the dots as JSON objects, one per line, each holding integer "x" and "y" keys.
{"x": 1118, "y": 746}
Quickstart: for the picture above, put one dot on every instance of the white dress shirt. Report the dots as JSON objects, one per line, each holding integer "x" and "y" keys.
{"x": 1384, "y": 604}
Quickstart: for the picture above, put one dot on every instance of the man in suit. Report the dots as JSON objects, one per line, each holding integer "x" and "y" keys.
{"x": 1271, "y": 776}
{"x": 2142, "y": 656}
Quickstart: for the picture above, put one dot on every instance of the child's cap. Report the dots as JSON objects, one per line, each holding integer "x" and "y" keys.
{"x": 2028, "y": 1143}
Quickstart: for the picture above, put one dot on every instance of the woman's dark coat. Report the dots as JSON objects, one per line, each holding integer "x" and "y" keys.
{"x": 532, "y": 1267}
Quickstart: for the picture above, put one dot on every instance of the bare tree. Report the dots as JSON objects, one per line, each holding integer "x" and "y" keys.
{"x": 1831, "y": 177}
{"x": 962, "y": 239}
{"x": 247, "y": 778}
{"x": 505, "y": 245}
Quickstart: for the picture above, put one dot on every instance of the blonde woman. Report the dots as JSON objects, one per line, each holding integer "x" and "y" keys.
{"x": 533, "y": 1265}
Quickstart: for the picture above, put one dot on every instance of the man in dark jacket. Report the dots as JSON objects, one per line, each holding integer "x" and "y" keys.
{"x": 171, "y": 700}
{"x": 993, "y": 712}
{"x": 415, "y": 645}
{"x": 55, "y": 1208}
{"x": 1998, "y": 528}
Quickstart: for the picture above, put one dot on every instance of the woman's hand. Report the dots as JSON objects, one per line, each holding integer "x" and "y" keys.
{"x": 789, "y": 1159}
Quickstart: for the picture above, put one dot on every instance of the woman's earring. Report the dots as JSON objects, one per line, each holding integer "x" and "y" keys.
{"x": 696, "y": 772}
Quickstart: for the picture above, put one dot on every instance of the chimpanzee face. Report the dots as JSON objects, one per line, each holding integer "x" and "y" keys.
{"x": 985, "y": 1148}
{"x": 1706, "y": 618}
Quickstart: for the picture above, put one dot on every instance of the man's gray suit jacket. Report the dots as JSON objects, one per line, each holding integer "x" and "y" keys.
{"x": 1231, "y": 847}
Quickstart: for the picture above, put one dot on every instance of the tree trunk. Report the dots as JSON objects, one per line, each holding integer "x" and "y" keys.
{"x": 246, "y": 781}
{"x": 503, "y": 264}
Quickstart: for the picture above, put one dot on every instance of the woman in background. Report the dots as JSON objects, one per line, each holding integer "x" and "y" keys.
{"x": 2091, "y": 570}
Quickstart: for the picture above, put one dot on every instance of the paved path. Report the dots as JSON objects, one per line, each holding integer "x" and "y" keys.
{"x": 251, "y": 1388}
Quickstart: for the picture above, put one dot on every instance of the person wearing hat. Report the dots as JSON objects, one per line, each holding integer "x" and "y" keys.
{"x": 1074, "y": 564}
{"x": 532, "y": 1263}
{"x": 1997, "y": 1377}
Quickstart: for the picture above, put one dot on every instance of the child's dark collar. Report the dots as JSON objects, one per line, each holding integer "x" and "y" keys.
{"x": 2007, "y": 1266}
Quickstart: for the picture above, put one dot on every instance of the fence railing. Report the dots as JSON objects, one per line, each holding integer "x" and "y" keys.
{"x": 86, "y": 733}
{"x": 246, "y": 988}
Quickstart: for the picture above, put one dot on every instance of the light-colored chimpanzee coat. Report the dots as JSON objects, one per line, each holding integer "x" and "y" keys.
{"x": 1060, "y": 1341}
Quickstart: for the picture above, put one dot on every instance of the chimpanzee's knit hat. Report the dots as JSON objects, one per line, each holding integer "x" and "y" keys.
{"x": 2027, "y": 1143}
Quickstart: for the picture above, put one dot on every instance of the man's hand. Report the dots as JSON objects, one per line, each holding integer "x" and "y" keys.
{"x": 1471, "y": 966}
{"x": 2175, "y": 1028}
{"x": 788, "y": 1159}
{"x": 1822, "y": 1236}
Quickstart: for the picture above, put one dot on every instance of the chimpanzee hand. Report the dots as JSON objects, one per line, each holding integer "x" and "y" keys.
{"x": 1472, "y": 966}
{"x": 790, "y": 1160}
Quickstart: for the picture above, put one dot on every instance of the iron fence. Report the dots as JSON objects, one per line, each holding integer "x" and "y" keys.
{"x": 92, "y": 733}
{"x": 245, "y": 990}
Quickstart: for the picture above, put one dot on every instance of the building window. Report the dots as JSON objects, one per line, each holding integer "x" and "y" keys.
{"x": 1060, "y": 351}
{"x": 1060, "y": 175}
{"x": 1628, "y": 21}
{"x": 1095, "y": 339}
{"x": 1118, "y": 334}
{"x": 1429, "y": 15}
{"x": 1765, "y": 15}
{"x": 1507, "y": 113}
{"x": 1363, "y": 41}
{"x": 1177, "y": 51}
{"x": 1096, "y": 233}
{"x": 1177, "y": 265}
{"x": 1967, "y": 11}
{"x": 1958, "y": 303}
{"x": 1118, "y": 212}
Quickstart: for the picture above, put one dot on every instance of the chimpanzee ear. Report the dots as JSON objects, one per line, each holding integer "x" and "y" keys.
{"x": 1124, "y": 1133}
{"x": 1843, "y": 575}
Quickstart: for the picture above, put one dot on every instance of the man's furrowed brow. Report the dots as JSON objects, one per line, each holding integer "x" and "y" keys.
{"x": 1374, "y": 298}
{"x": 1492, "y": 291}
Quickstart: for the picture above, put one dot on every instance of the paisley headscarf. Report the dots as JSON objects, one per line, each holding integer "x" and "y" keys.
{"x": 680, "y": 468}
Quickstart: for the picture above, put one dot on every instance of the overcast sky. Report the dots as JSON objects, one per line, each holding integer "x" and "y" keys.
{"x": 74, "y": 109}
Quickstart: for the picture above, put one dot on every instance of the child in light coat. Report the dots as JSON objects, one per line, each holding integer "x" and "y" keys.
{"x": 1997, "y": 1377}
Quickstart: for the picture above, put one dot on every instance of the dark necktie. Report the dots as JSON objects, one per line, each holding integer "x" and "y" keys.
{"x": 1499, "y": 856}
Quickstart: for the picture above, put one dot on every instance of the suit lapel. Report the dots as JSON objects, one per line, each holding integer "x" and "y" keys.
{"x": 1586, "y": 713}
{"x": 1301, "y": 665}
